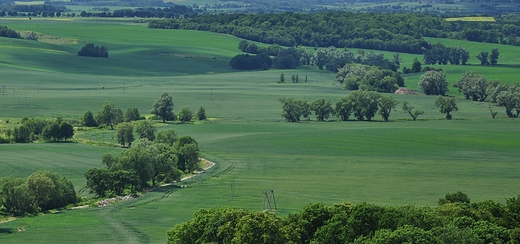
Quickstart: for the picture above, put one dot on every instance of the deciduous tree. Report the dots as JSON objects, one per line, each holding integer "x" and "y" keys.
{"x": 125, "y": 134}
{"x": 322, "y": 109}
{"x": 434, "y": 83}
{"x": 386, "y": 105}
{"x": 411, "y": 110}
{"x": 163, "y": 107}
{"x": 446, "y": 105}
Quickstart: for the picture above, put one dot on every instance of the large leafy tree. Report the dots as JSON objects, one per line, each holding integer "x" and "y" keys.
{"x": 446, "y": 105}
{"x": 88, "y": 119}
{"x": 507, "y": 96}
{"x": 493, "y": 58}
{"x": 483, "y": 58}
{"x": 294, "y": 109}
{"x": 110, "y": 115}
{"x": 434, "y": 83}
{"x": 386, "y": 105}
{"x": 473, "y": 86}
{"x": 366, "y": 104}
{"x": 167, "y": 136}
{"x": 163, "y": 107}
{"x": 322, "y": 109}
{"x": 343, "y": 108}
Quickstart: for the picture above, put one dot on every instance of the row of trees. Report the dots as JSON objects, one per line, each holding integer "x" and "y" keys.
{"x": 41, "y": 191}
{"x": 176, "y": 11}
{"x": 33, "y": 129}
{"x": 163, "y": 159}
{"x": 440, "y": 54}
{"x": 454, "y": 220}
{"x": 364, "y": 105}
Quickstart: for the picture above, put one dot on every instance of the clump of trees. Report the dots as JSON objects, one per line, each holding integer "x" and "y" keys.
{"x": 454, "y": 220}
{"x": 145, "y": 163}
{"x": 90, "y": 50}
{"x": 33, "y": 129}
{"x": 369, "y": 78}
{"x": 8, "y": 32}
{"x": 486, "y": 58}
{"x": 251, "y": 62}
{"x": 41, "y": 191}
{"x": 440, "y": 54}
{"x": 507, "y": 96}
{"x": 473, "y": 86}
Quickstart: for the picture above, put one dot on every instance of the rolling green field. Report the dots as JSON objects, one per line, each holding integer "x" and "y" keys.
{"x": 387, "y": 163}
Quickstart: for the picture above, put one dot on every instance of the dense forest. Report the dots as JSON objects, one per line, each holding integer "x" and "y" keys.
{"x": 391, "y": 32}
{"x": 454, "y": 220}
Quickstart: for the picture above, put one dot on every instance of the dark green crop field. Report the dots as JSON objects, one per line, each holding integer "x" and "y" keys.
{"x": 388, "y": 163}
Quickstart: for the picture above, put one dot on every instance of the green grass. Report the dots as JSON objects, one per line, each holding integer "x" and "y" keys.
{"x": 388, "y": 163}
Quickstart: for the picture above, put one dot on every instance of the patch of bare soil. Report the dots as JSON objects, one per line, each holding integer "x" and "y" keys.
{"x": 50, "y": 39}
{"x": 406, "y": 91}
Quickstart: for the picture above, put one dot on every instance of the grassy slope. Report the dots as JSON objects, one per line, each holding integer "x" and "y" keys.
{"x": 385, "y": 163}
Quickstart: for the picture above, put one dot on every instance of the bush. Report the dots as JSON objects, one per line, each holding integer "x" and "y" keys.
{"x": 89, "y": 50}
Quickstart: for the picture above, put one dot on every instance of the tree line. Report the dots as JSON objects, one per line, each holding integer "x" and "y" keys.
{"x": 398, "y": 32}
{"x": 176, "y": 11}
{"x": 454, "y": 220}
{"x": 41, "y": 191}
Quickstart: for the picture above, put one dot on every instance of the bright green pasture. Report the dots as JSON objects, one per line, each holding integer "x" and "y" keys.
{"x": 69, "y": 160}
{"x": 331, "y": 162}
{"x": 133, "y": 48}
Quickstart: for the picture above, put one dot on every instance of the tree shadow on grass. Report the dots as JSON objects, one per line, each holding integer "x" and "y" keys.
{"x": 6, "y": 231}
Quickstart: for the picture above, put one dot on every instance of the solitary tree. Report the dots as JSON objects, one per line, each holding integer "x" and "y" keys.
{"x": 483, "y": 57}
{"x": 282, "y": 78}
{"x": 201, "y": 114}
{"x": 163, "y": 107}
{"x": 446, "y": 105}
{"x": 322, "y": 109}
{"x": 125, "y": 134}
{"x": 434, "y": 83}
{"x": 416, "y": 66}
{"x": 88, "y": 119}
{"x": 109, "y": 115}
{"x": 493, "y": 58}
{"x": 386, "y": 105}
{"x": 411, "y": 110}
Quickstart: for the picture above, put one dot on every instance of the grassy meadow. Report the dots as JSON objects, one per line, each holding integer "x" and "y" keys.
{"x": 388, "y": 163}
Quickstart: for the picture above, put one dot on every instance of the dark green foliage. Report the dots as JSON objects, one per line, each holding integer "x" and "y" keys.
{"x": 416, "y": 67}
{"x": 89, "y": 50}
{"x": 188, "y": 154}
{"x": 110, "y": 115}
{"x": 344, "y": 108}
{"x": 282, "y": 78}
{"x": 251, "y": 62}
{"x": 359, "y": 30}
{"x": 146, "y": 130}
{"x": 132, "y": 114}
{"x": 41, "y": 191}
{"x": 460, "y": 197}
{"x": 287, "y": 59}
{"x": 249, "y": 47}
{"x": 440, "y": 54}
{"x": 166, "y": 136}
{"x": 201, "y": 114}
{"x": 456, "y": 222}
{"x": 493, "y": 58}
{"x": 483, "y": 57}
{"x": 124, "y": 134}
{"x": 9, "y": 33}
{"x": 88, "y": 119}
{"x": 58, "y": 131}
{"x": 22, "y": 134}
{"x": 386, "y": 106}
{"x": 163, "y": 107}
